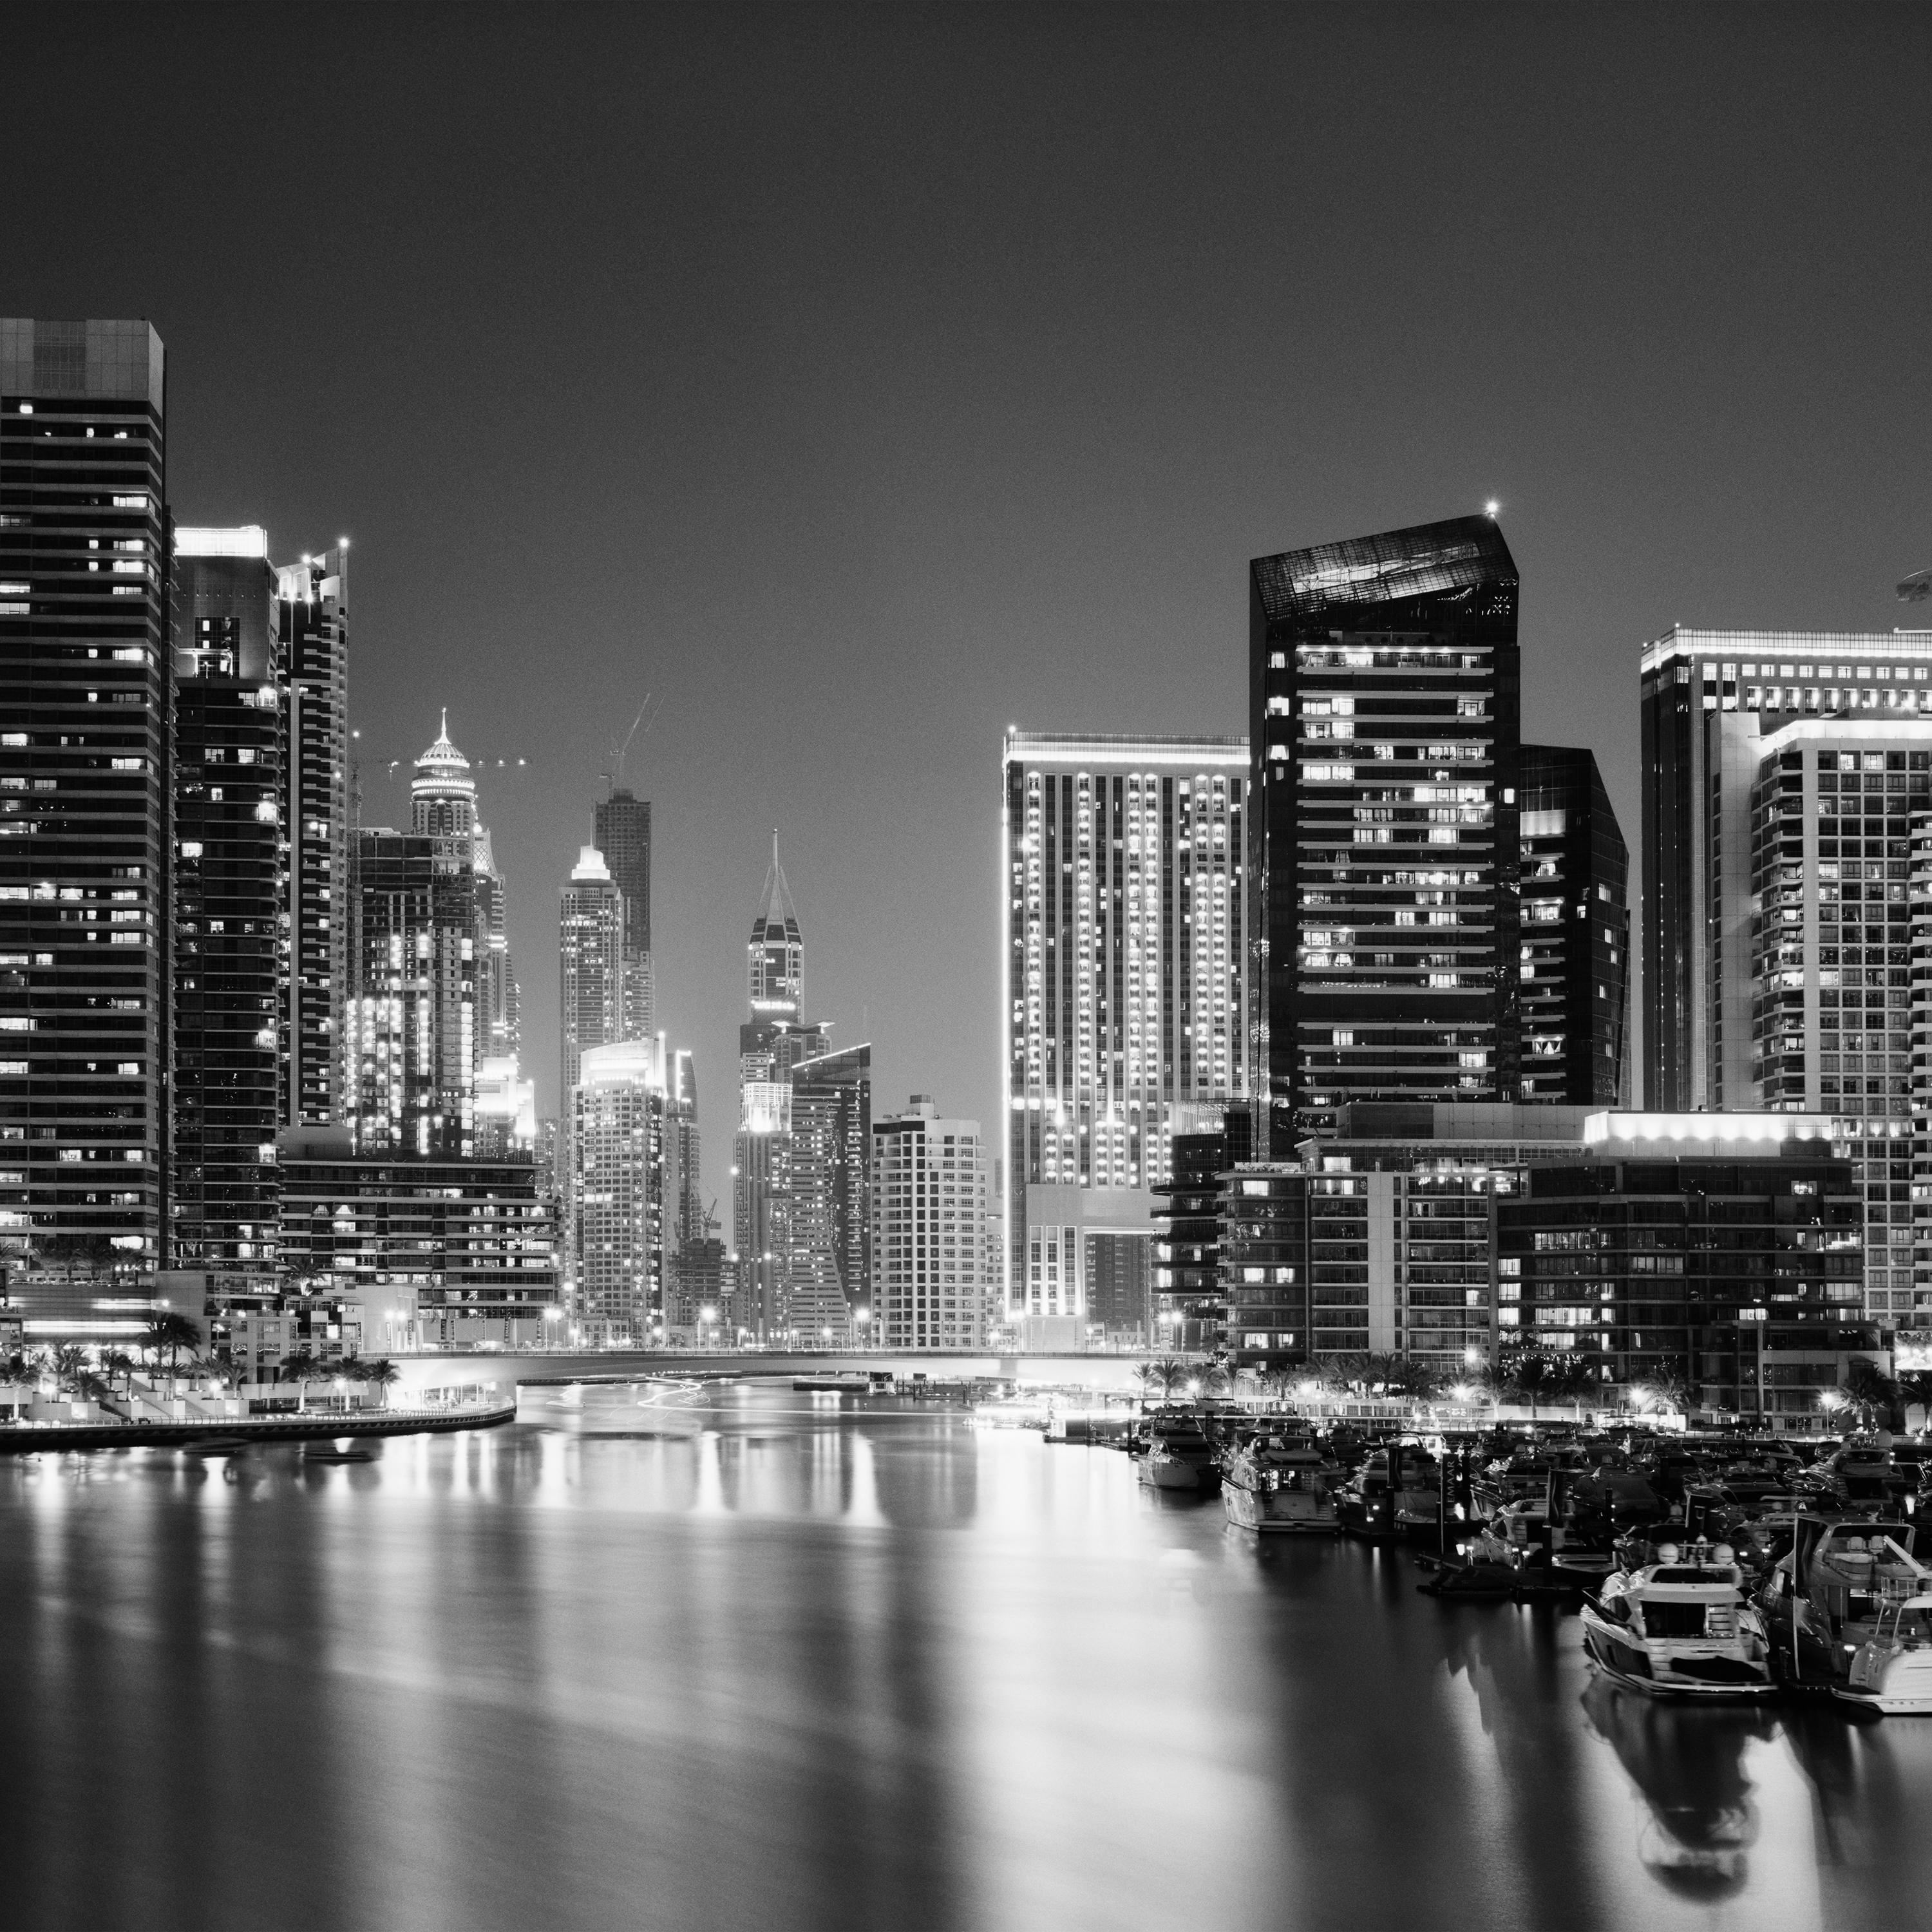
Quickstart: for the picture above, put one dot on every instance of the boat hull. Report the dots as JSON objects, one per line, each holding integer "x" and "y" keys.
{"x": 1631, "y": 1665}
{"x": 1172, "y": 1474}
{"x": 1247, "y": 1510}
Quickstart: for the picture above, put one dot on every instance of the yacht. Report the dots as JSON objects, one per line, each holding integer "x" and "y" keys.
{"x": 1825, "y": 1599}
{"x": 1680, "y": 1627}
{"x": 1394, "y": 1493}
{"x": 1279, "y": 1485}
{"x": 1891, "y": 1672}
{"x": 1177, "y": 1456}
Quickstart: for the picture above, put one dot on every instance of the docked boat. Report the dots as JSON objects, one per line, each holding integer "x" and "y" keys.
{"x": 1825, "y": 1598}
{"x": 1395, "y": 1493}
{"x": 1177, "y": 1455}
{"x": 1860, "y": 1472}
{"x": 1680, "y": 1627}
{"x": 1891, "y": 1672}
{"x": 1280, "y": 1486}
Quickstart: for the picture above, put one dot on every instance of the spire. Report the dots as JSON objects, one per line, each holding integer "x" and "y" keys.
{"x": 777, "y": 917}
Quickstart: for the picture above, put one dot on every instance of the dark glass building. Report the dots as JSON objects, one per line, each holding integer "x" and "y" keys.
{"x": 1384, "y": 730}
{"x": 1575, "y": 949}
{"x": 623, "y": 828}
{"x": 313, "y": 614}
{"x": 85, "y": 789}
{"x": 231, "y": 941}
{"x": 1188, "y": 1306}
{"x": 1646, "y": 1266}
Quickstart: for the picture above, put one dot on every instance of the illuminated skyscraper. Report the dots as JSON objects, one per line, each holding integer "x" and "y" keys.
{"x": 1383, "y": 717}
{"x": 623, "y": 835}
{"x": 1781, "y": 770}
{"x": 620, "y": 1191}
{"x": 928, "y": 1220}
{"x": 231, "y": 938}
{"x": 313, "y": 616}
{"x": 829, "y": 1203}
{"x": 84, "y": 786}
{"x": 590, "y": 934}
{"x": 1126, "y": 993}
{"x": 415, "y": 1045}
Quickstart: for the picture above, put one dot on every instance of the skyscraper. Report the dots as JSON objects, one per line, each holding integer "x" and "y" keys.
{"x": 1126, "y": 990}
{"x": 1780, "y": 772}
{"x": 231, "y": 940}
{"x": 590, "y": 934}
{"x": 1575, "y": 950}
{"x": 623, "y": 833}
{"x": 1383, "y": 708}
{"x": 829, "y": 1211}
{"x": 928, "y": 1223}
{"x": 619, "y": 1195}
{"x": 85, "y": 787}
{"x": 771, "y": 1043}
{"x": 313, "y": 616}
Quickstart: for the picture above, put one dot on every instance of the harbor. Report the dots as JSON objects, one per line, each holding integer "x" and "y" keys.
{"x": 960, "y": 1675}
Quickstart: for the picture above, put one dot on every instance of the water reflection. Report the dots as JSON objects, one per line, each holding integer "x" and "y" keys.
{"x": 740, "y": 1657}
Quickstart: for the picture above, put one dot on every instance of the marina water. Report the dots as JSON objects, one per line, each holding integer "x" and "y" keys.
{"x": 748, "y": 1656}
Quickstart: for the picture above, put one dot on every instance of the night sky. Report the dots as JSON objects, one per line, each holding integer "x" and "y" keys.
{"x": 857, "y": 382}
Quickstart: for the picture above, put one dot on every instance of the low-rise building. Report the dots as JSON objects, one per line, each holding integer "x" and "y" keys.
{"x": 449, "y": 1253}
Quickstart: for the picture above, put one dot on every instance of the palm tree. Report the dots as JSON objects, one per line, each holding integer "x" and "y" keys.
{"x": 1348, "y": 1375}
{"x": 1418, "y": 1380}
{"x": 1147, "y": 1374}
{"x": 169, "y": 1333}
{"x": 1670, "y": 1390}
{"x": 380, "y": 1373}
{"x": 1381, "y": 1373}
{"x": 117, "y": 1362}
{"x": 1915, "y": 1386}
{"x": 70, "y": 1365}
{"x": 1171, "y": 1373}
{"x": 302, "y": 1366}
{"x": 1567, "y": 1378}
{"x": 1206, "y": 1380}
{"x": 1871, "y": 1392}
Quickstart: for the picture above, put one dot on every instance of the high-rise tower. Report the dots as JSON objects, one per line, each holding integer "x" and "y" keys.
{"x": 231, "y": 940}
{"x": 590, "y": 932}
{"x": 313, "y": 616}
{"x": 1384, "y": 723}
{"x": 777, "y": 950}
{"x": 85, "y": 787}
{"x": 1781, "y": 770}
{"x": 1123, "y": 891}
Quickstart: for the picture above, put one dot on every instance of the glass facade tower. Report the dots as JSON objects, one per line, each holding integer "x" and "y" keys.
{"x": 1384, "y": 724}
{"x": 85, "y": 788}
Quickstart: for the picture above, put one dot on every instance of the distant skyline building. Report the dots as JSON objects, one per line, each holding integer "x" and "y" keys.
{"x": 85, "y": 787}
{"x": 829, "y": 1210}
{"x": 1125, "y": 992}
{"x": 231, "y": 937}
{"x": 622, "y": 826}
{"x": 1781, "y": 771}
{"x": 1384, "y": 714}
{"x": 929, "y": 1219}
{"x": 621, "y": 1191}
{"x": 590, "y": 933}
{"x": 1575, "y": 950}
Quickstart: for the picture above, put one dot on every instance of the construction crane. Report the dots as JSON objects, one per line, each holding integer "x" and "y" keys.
{"x": 614, "y": 777}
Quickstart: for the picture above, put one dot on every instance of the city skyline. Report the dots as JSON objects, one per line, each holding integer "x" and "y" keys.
{"x": 1069, "y": 562}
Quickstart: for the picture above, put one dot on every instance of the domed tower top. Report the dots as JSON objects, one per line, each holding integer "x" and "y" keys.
{"x": 443, "y": 795}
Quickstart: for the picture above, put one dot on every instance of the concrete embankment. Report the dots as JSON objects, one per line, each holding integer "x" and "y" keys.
{"x": 26, "y": 1438}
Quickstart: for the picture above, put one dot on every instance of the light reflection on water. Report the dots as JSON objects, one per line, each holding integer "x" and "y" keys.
{"x": 746, "y": 1657}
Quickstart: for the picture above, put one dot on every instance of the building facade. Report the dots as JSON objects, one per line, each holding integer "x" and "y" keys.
{"x": 1781, "y": 770}
{"x": 1574, "y": 954}
{"x": 620, "y": 1193}
{"x": 590, "y": 940}
{"x": 1123, "y": 874}
{"x": 439, "y": 1253}
{"x": 1383, "y": 718}
{"x": 231, "y": 945}
{"x": 828, "y": 1210}
{"x": 928, "y": 1225}
{"x": 312, "y": 598}
{"x": 1187, "y": 1306}
{"x": 86, "y": 790}
{"x": 623, "y": 828}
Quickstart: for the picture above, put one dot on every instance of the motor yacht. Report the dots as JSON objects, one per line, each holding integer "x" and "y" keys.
{"x": 1680, "y": 1627}
{"x": 1824, "y": 1598}
{"x": 1279, "y": 1485}
{"x": 1177, "y": 1455}
{"x": 1891, "y": 1672}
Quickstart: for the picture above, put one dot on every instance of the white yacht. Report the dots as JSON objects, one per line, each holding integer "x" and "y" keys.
{"x": 1279, "y": 1485}
{"x": 1680, "y": 1627}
